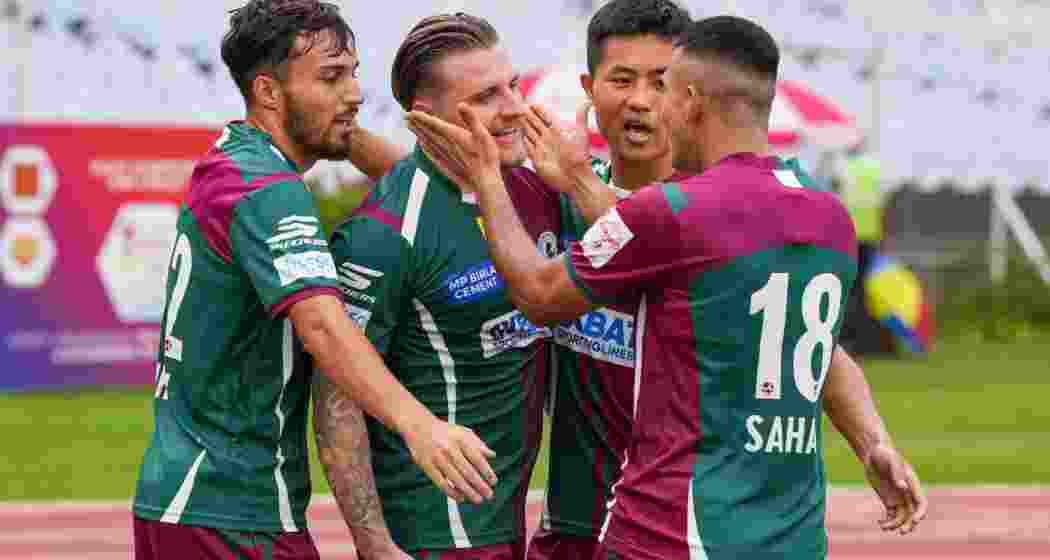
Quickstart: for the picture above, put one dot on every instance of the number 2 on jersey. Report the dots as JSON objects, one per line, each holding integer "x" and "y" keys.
{"x": 772, "y": 302}
{"x": 182, "y": 264}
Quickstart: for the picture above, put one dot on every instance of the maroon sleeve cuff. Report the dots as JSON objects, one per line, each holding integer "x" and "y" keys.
{"x": 307, "y": 293}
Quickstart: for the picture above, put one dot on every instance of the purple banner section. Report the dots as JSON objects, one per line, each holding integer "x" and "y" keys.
{"x": 87, "y": 218}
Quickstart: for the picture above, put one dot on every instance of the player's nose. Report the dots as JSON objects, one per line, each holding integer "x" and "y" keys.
{"x": 513, "y": 107}
{"x": 351, "y": 93}
{"x": 641, "y": 99}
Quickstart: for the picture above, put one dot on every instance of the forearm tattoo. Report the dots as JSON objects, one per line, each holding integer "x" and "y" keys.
{"x": 342, "y": 444}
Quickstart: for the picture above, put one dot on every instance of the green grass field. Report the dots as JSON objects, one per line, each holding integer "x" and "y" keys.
{"x": 972, "y": 412}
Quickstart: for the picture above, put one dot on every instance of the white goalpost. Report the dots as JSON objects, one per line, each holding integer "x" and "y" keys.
{"x": 1008, "y": 218}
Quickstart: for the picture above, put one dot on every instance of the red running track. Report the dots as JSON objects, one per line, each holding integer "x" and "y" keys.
{"x": 964, "y": 523}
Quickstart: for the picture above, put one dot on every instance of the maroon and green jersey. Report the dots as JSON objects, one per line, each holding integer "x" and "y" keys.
{"x": 229, "y": 443}
{"x": 593, "y": 391}
{"x": 742, "y": 275}
{"x": 417, "y": 276}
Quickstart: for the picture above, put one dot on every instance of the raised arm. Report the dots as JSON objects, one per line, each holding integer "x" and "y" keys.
{"x": 342, "y": 445}
{"x": 850, "y": 406}
{"x": 560, "y": 152}
{"x": 540, "y": 287}
{"x": 373, "y": 154}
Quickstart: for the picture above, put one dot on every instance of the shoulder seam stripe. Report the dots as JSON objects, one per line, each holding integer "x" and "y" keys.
{"x": 414, "y": 208}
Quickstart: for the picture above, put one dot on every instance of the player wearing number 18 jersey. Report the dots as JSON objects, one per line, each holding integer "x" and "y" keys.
{"x": 738, "y": 321}
{"x": 742, "y": 273}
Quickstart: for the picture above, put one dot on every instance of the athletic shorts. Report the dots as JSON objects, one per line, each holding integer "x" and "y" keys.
{"x": 508, "y": 551}
{"x": 170, "y": 541}
{"x": 546, "y": 545}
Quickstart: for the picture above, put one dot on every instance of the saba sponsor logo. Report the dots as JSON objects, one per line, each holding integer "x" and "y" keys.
{"x": 510, "y": 330}
{"x": 603, "y": 334}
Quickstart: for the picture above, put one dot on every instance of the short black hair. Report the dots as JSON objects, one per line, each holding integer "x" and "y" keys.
{"x": 262, "y": 36}
{"x": 619, "y": 18}
{"x": 734, "y": 40}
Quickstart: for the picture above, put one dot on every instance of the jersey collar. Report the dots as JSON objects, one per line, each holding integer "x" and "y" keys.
{"x": 243, "y": 127}
{"x": 427, "y": 166}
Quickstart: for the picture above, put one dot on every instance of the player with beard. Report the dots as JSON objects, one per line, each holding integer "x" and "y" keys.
{"x": 737, "y": 267}
{"x": 252, "y": 301}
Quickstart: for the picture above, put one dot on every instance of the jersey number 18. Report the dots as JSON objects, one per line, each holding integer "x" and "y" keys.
{"x": 772, "y": 302}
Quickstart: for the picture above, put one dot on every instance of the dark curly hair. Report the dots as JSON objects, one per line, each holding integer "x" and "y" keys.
{"x": 262, "y": 36}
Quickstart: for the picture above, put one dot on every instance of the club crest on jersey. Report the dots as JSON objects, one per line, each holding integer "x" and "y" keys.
{"x": 510, "y": 330}
{"x": 548, "y": 244}
{"x": 603, "y": 334}
{"x": 473, "y": 283}
{"x": 296, "y": 231}
{"x": 605, "y": 238}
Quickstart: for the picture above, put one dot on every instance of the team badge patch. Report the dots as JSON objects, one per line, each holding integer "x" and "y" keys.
{"x": 548, "y": 244}
{"x": 605, "y": 238}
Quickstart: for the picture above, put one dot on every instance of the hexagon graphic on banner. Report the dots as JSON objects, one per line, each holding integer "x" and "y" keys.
{"x": 133, "y": 259}
{"x": 28, "y": 252}
{"x": 28, "y": 180}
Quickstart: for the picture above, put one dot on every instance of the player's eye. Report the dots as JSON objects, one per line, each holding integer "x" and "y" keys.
{"x": 659, "y": 84}
{"x": 620, "y": 81}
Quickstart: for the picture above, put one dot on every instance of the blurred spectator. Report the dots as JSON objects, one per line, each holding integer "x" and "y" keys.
{"x": 860, "y": 183}
{"x": 865, "y": 199}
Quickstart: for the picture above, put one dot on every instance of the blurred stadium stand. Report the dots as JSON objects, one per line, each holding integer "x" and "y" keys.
{"x": 953, "y": 93}
{"x": 953, "y": 99}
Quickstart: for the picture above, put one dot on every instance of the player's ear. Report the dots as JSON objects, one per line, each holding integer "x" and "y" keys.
{"x": 267, "y": 91}
{"x": 587, "y": 83}
{"x": 696, "y": 104}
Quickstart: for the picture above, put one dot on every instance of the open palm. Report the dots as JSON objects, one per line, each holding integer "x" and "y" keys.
{"x": 557, "y": 148}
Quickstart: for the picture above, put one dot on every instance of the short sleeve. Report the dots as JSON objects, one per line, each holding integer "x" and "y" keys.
{"x": 277, "y": 239}
{"x": 628, "y": 249}
{"x": 374, "y": 266}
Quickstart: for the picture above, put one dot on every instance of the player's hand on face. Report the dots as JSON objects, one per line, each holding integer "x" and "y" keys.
{"x": 469, "y": 156}
{"x": 455, "y": 459}
{"x": 899, "y": 488}
{"x": 557, "y": 148}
